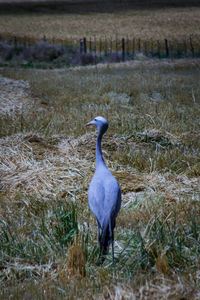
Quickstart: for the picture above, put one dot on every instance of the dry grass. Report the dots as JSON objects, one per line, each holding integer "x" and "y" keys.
{"x": 48, "y": 158}
{"x": 156, "y": 24}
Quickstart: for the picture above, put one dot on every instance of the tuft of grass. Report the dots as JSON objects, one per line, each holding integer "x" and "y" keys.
{"x": 42, "y": 233}
{"x": 76, "y": 261}
{"x": 165, "y": 246}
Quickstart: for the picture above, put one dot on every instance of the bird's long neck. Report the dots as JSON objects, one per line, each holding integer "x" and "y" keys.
{"x": 99, "y": 156}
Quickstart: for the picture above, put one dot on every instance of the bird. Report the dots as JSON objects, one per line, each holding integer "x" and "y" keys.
{"x": 104, "y": 195}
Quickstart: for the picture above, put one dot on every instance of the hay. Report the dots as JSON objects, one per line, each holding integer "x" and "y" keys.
{"x": 76, "y": 261}
{"x": 29, "y": 163}
{"x": 14, "y": 94}
{"x": 39, "y": 168}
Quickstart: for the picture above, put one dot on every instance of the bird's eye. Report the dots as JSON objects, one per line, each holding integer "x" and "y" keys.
{"x": 95, "y": 119}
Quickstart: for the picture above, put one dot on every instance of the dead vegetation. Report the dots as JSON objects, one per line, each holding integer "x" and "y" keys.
{"x": 13, "y": 95}
{"x": 48, "y": 238}
{"x": 172, "y": 23}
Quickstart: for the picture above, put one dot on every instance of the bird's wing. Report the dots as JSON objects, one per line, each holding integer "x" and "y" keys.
{"x": 104, "y": 197}
{"x": 112, "y": 201}
{"x": 96, "y": 197}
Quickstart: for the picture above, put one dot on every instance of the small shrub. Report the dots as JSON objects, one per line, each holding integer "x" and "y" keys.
{"x": 87, "y": 59}
{"x": 43, "y": 51}
{"x": 113, "y": 57}
{"x": 6, "y": 51}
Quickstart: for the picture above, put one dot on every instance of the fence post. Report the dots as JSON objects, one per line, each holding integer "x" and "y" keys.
{"x": 105, "y": 46}
{"x": 158, "y": 45}
{"x": 166, "y": 48}
{"x": 74, "y": 43}
{"x": 133, "y": 47}
{"x": 123, "y": 49}
{"x": 90, "y": 45}
{"x": 24, "y": 42}
{"x": 139, "y": 45}
{"x": 185, "y": 47}
{"x": 84, "y": 45}
{"x": 95, "y": 50}
{"x": 15, "y": 42}
{"x": 170, "y": 43}
{"x": 95, "y": 45}
{"x": 152, "y": 48}
{"x": 145, "y": 48}
{"x": 177, "y": 48}
{"x": 81, "y": 46}
{"x": 62, "y": 44}
{"x": 100, "y": 47}
{"x": 191, "y": 46}
{"x": 127, "y": 46}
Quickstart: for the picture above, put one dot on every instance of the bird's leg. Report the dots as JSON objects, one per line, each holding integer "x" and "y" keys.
{"x": 101, "y": 257}
{"x": 98, "y": 232}
{"x": 99, "y": 240}
{"x": 111, "y": 232}
{"x": 113, "y": 246}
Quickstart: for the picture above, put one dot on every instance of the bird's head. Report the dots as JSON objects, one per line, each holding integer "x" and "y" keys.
{"x": 101, "y": 124}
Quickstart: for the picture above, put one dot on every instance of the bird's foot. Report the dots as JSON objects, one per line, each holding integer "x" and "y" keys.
{"x": 100, "y": 260}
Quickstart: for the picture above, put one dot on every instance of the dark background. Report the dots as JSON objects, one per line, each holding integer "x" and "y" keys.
{"x": 20, "y": 7}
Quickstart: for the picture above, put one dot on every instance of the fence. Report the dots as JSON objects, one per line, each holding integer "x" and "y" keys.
{"x": 124, "y": 48}
{"x": 127, "y": 47}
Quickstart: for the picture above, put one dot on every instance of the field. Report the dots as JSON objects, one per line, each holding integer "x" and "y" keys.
{"x": 48, "y": 240}
{"x": 47, "y": 160}
{"x": 76, "y": 21}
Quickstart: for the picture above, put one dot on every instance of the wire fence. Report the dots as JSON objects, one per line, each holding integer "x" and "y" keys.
{"x": 128, "y": 47}
{"x": 122, "y": 49}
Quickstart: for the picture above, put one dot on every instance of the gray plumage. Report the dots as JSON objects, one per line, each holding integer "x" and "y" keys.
{"x": 104, "y": 194}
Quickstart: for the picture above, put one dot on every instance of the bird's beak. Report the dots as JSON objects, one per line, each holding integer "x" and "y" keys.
{"x": 89, "y": 124}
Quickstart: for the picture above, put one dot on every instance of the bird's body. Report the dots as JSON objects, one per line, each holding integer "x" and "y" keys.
{"x": 104, "y": 194}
